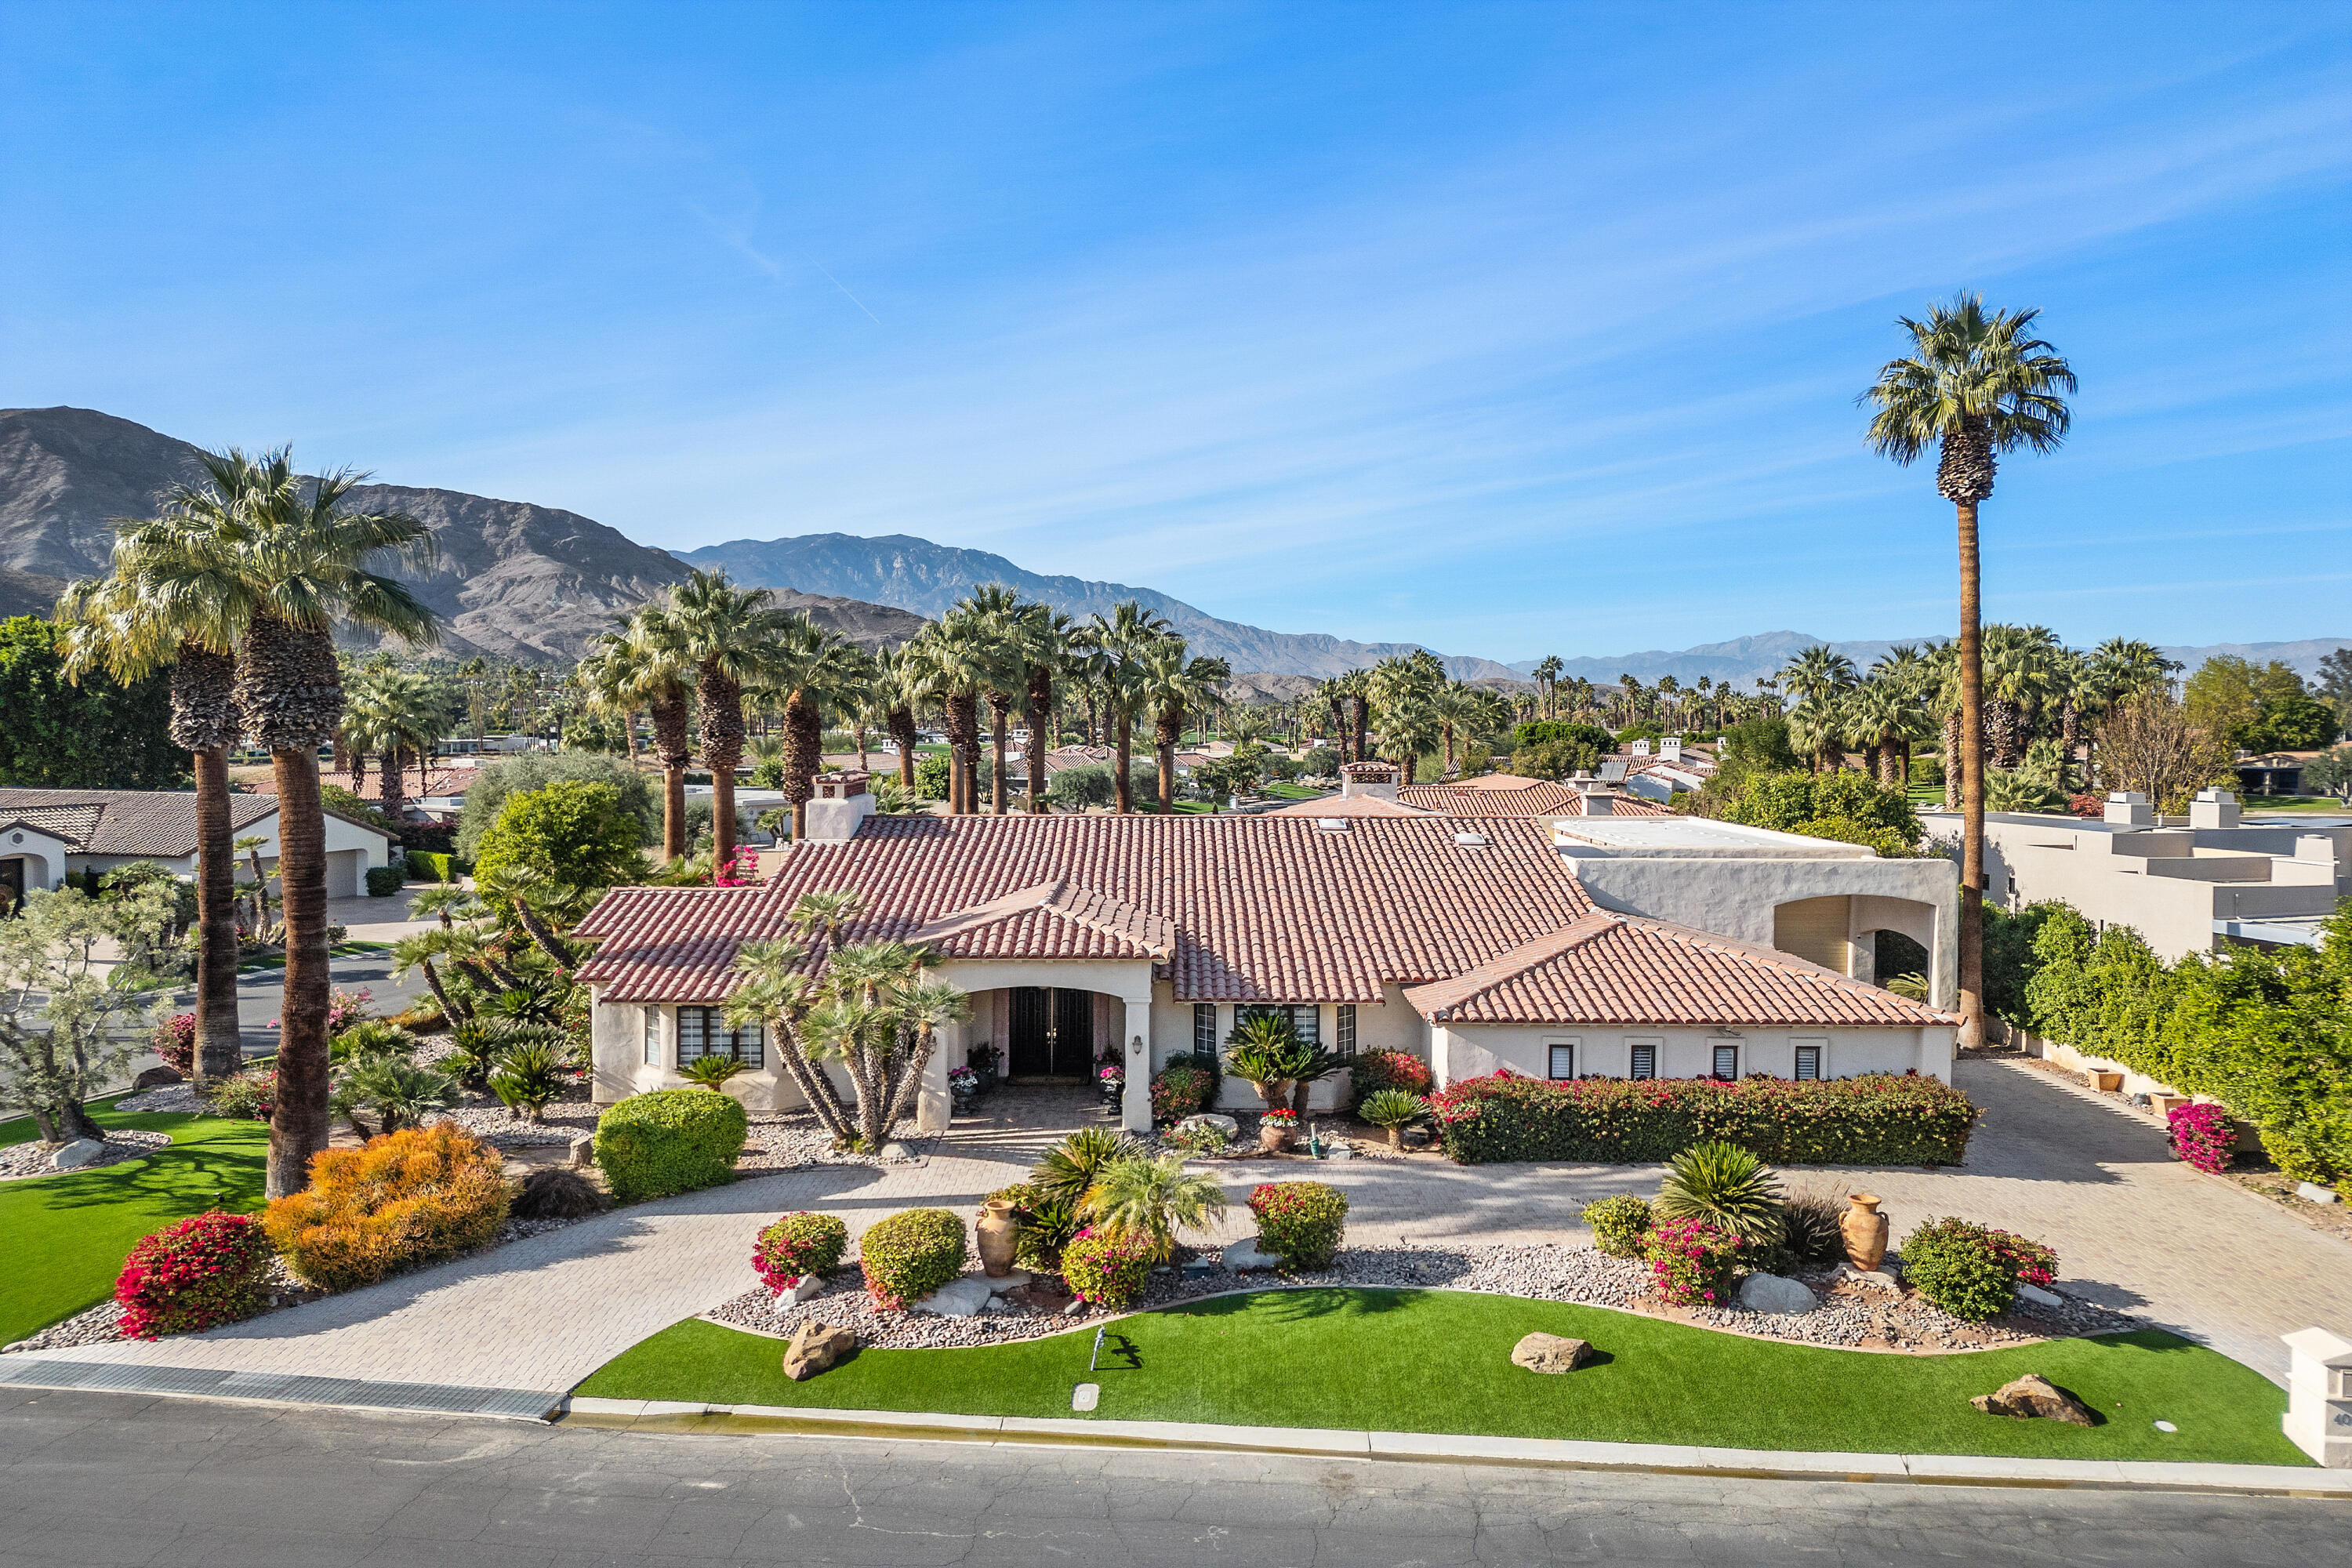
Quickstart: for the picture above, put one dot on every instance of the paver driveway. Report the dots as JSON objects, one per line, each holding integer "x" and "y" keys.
{"x": 2134, "y": 1228}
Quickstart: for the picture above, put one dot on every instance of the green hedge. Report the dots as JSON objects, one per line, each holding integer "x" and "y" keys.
{"x": 907, "y": 1256}
{"x": 383, "y": 881}
{"x": 671, "y": 1141}
{"x": 429, "y": 866}
{"x": 1879, "y": 1120}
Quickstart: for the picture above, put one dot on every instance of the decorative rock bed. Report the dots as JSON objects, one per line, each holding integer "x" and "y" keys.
{"x": 21, "y": 1162}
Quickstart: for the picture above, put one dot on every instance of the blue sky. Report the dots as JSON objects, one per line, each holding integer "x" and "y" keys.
{"x": 1513, "y": 330}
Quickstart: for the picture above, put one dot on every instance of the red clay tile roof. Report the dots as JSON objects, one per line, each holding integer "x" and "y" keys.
{"x": 1257, "y": 909}
{"x": 1352, "y": 805}
{"x": 1050, "y": 920}
{"x": 1482, "y": 797}
{"x": 1608, "y": 969}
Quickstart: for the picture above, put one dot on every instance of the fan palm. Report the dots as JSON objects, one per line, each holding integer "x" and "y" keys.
{"x": 1725, "y": 1187}
{"x": 729, "y": 634}
{"x": 1151, "y": 1198}
{"x": 397, "y": 713}
{"x": 1050, "y": 641}
{"x": 1070, "y": 1168}
{"x": 286, "y": 563}
{"x": 1976, "y": 385}
{"x": 645, "y": 664}
{"x": 1168, "y": 686}
{"x": 1122, "y": 640}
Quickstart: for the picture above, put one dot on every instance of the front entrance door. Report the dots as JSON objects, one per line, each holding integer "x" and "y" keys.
{"x": 1052, "y": 1033}
{"x": 12, "y": 885}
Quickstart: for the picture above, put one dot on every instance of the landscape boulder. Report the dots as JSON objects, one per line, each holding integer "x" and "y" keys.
{"x": 76, "y": 1154}
{"x": 583, "y": 1149}
{"x": 1224, "y": 1124}
{"x": 1772, "y": 1293}
{"x": 1551, "y": 1353}
{"x": 157, "y": 1077}
{"x": 816, "y": 1347}
{"x": 963, "y": 1297}
{"x": 2031, "y": 1397}
{"x": 1244, "y": 1255}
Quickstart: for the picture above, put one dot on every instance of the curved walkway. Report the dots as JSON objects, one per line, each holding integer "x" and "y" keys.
{"x": 2134, "y": 1228}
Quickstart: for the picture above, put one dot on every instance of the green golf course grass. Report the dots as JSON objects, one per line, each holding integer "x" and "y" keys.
{"x": 63, "y": 1237}
{"x": 1438, "y": 1361}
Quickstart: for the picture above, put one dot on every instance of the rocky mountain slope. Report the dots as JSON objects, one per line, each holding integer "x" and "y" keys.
{"x": 514, "y": 581}
{"x": 918, "y": 575}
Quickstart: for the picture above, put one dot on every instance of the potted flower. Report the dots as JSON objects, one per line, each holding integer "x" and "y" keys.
{"x": 1112, "y": 1081}
{"x": 964, "y": 1085}
{"x": 983, "y": 1059}
{"x": 1275, "y": 1129}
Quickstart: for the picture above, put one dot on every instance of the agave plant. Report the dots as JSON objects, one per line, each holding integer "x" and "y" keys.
{"x": 1394, "y": 1110}
{"x": 1070, "y": 1169}
{"x": 1726, "y": 1186}
{"x": 1140, "y": 1195}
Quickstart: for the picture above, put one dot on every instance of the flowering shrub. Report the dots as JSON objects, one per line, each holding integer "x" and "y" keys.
{"x": 250, "y": 1095}
{"x": 2202, "y": 1136}
{"x": 209, "y": 1269}
{"x": 1111, "y": 1078}
{"x": 798, "y": 1245}
{"x": 1879, "y": 1120}
{"x": 174, "y": 1040}
{"x": 1972, "y": 1270}
{"x": 1376, "y": 1070}
{"x": 344, "y": 1008}
{"x": 910, "y": 1255}
{"x": 406, "y": 1199}
{"x": 1619, "y": 1224}
{"x": 1300, "y": 1222}
{"x": 738, "y": 869}
{"x": 1181, "y": 1090}
{"x": 1692, "y": 1261}
{"x": 1106, "y": 1269}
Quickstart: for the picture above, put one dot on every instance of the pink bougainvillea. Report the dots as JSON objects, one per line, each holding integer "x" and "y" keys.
{"x": 207, "y": 1271}
{"x": 2202, "y": 1136}
{"x": 1692, "y": 1262}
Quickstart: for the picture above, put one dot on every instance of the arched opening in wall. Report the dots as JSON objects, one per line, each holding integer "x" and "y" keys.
{"x": 1901, "y": 964}
{"x": 1817, "y": 930}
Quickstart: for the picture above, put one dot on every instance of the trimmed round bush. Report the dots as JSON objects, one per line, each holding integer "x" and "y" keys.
{"x": 1971, "y": 1271}
{"x": 1619, "y": 1224}
{"x": 670, "y": 1140}
{"x": 798, "y": 1245}
{"x": 1107, "y": 1270}
{"x": 208, "y": 1269}
{"x": 400, "y": 1201}
{"x": 1300, "y": 1222}
{"x": 907, "y": 1256}
{"x": 1692, "y": 1261}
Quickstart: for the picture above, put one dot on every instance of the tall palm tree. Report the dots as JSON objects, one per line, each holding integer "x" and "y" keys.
{"x": 396, "y": 713}
{"x": 1047, "y": 637}
{"x": 897, "y": 691}
{"x": 1170, "y": 687}
{"x": 1974, "y": 385}
{"x": 728, "y": 632}
{"x": 947, "y": 661}
{"x": 1548, "y": 672}
{"x": 1001, "y": 644}
{"x": 812, "y": 667}
{"x": 1121, "y": 640}
{"x": 289, "y": 563}
{"x": 645, "y": 664}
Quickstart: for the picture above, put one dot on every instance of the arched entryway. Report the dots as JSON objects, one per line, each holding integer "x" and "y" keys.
{"x": 1049, "y": 1034}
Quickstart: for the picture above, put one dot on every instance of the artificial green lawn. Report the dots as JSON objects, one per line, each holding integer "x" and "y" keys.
{"x": 63, "y": 1237}
{"x": 1438, "y": 1361}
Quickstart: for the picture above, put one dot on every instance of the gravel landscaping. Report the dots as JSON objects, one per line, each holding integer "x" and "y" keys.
{"x": 23, "y": 1162}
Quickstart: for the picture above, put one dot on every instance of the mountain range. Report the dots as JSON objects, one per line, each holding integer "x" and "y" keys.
{"x": 524, "y": 581}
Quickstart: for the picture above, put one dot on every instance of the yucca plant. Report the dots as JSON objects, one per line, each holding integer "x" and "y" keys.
{"x": 1149, "y": 1197}
{"x": 1070, "y": 1167}
{"x": 711, "y": 1072}
{"x": 1726, "y": 1186}
{"x": 1394, "y": 1110}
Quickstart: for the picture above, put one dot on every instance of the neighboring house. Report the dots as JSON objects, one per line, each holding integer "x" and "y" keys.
{"x": 2187, "y": 889}
{"x": 1145, "y": 938}
{"x": 2274, "y": 772}
{"x": 46, "y": 833}
{"x": 1676, "y": 768}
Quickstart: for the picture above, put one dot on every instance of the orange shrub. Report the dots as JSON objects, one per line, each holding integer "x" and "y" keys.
{"x": 407, "y": 1198}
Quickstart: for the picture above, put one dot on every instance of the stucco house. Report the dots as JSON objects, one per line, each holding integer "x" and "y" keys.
{"x": 1147, "y": 936}
{"x": 46, "y": 833}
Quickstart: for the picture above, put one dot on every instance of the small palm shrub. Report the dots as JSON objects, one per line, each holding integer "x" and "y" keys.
{"x": 371, "y": 1037}
{"x": 1300, "y": 1222}
{"x": 1105, "y": 1268}
{"x": 1071, "y": 1166}
{"x": 207, "y": 1271}
{"x": 1619, "y": 1224}
{"x": 1041, "y": 1225}
{"x": 401, "y": 1094}
{"x": 797, "y": 1246}
{"x": 1376, "y": 1070}
{"x": 1181, "y": 1090}
{"x": 711, "y": 1072}
{"x": 407, "y": 1198}
{"x": 1394, "y": 1110}
{"x": 1692, "y": 1261}
{"x": 1972, "y": 1270}
{"x": 526, "y": 1078}
{"x": 474, "y": 1045}
{"x": 1726, "y": 1186}
{"x": 670, "y": 1140}
{"x": 907, "y": 1256}
{"x": 1149, "y": 1197}
{"x": 557, "y": 1192}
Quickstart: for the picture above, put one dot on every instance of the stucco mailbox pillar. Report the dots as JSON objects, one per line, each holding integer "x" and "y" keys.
{"x": 1135, "y": 1039}
{"x": 2318, "y": 1418}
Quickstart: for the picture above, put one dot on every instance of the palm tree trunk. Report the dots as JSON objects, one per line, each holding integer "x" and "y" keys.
{"x": 804, "y": 754}
{"x": 1972, "y": 807}
{"x": 1041, "y": 735}
{"x": 300, "y": 1124}
{"x": 1952, "y": 761}
{"x": 1000, "y": 713}
{"x": 1170, "y": 728}
{"x": 722, "y": 748}
{"x": 901, "y": 724}
{"x": 393, "y": 798}
{"x": 219, "y": 1051}
{"x": 672, "y": 744}
{"x": 1122, "y": 791}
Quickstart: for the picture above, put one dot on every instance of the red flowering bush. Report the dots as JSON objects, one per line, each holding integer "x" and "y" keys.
{"x": 174, "y": 1040}
{"x": 1300, "y": 1222}
{"x": 1106, "y": 1269}
{"x": 797, "y": 1245}
{"x": 2202, "y": 1136}
{"x": 209, "y": 1269}
{"x": 2031, "y": 1261}
{"x": 1972, "y": 1270}
{"x": 1181, "y": 1090}
{"x": 1376, "y": 1070}
{"x": 1692, "y": 1261}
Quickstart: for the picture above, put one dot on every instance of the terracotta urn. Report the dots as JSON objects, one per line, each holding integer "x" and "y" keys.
{"x": 1864, "y": 1229}
{"x": 997, "y": 1237}
{"x": 1274, "y": 1137}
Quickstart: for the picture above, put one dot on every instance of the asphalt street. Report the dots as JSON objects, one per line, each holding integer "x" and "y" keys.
{"x": 92, "y": 1480}
{"x": 260, "y": 994}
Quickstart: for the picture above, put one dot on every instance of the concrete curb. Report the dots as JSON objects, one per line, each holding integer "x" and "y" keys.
{"x": 1653, "y": 1458}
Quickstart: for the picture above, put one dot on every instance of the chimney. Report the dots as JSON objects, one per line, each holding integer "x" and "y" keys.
{"x": 1639, "y": 749}
{"x": 1377, "y": 780}
{"x": 2130, "y": 808}
{"x": 1594, "y": 798}
{"x": 842, "y": 801}
{"x": 2214, "y": 808}
{"x": 1670, "y": 749}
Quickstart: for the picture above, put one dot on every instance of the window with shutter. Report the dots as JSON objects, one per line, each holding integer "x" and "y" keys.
{"x": 1563, "y": 1058}
{"x": 1204, "y": 1028}
{"x": 1727, "y": 1061}
{"x": 1345, "y": 1030}
{"x": 1646, "y": 1062}
{"x": 1808, "y": 1063}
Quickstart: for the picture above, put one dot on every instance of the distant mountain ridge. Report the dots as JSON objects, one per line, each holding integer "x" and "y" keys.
{"x": 916, "y": 575}
{"x": 1742, "y": 660}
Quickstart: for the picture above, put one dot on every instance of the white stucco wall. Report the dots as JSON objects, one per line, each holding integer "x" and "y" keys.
{"x": 1390, "y": 1025}
{"x": 1469, "y": 1050}
{"x": 46, "y": 859}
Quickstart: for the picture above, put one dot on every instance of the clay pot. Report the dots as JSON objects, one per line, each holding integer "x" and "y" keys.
{"x": 1274, "y": 1137}
{"x": 997, "y": 1237}
{"x": 1864, "y": 1229}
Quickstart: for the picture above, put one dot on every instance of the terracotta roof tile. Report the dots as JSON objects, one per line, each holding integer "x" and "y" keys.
{"x": 1351, "y": 806}
{"x": 1480, "y": 797}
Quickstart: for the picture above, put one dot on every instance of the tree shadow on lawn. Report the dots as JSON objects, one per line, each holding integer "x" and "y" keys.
{"x": 229, "y": 1177}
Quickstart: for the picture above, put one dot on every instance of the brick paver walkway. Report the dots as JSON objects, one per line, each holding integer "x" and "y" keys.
{"x": 2134, "y": 1228}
